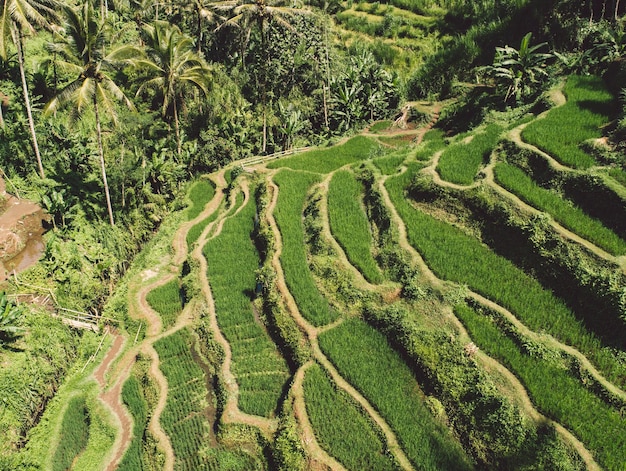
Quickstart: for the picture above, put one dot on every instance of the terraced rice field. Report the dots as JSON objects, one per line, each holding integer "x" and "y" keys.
{"x": 383, "y": 380}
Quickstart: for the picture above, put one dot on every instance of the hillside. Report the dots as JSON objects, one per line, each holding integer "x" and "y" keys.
{"x": 333, "y": 236}
{"x": 368, "y": 306}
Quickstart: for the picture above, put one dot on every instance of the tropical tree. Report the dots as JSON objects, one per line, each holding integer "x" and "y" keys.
{"x": 172, "y": 67}
{"x": 259, "y": 14}
{"x": 19, "y": 17}
{"x": 82, "y": 50}
{"x": 518, "y": 73}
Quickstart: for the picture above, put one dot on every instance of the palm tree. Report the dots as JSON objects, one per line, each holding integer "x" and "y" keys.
{"x": 172, "y": 66}
{"x": 20, "y": 17}
{"x": 203, "y": 11}
{"x": 248, "y": 14}
{"x": 82, "y": 52}
{"x": 519, "y": 72}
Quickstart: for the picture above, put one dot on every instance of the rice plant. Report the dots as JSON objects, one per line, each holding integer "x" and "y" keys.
{"x": 340, "y": 426}
{"x": 74, "y": 434}
{"x": 432, "y": 142}
{"x": 195, "y": 231}
{"x": 555, "y": 391}
{"x": 453, "y": 255}
{"x": 167, "y": 301}
{"x": 363, "y": 356}
{"x": 200, "y": 194}
{"x": 589, "y": 106}
{"x": 390, "y": 164}
{"x": 183, "y": 419}
{"x": 132, "y": 395}
{"x": 349, "y": 223}
{"x": 232, "y": 260}
{"x": 326, "y": 160}
{"x": 461, "y": 161}
{"x": 293, "y": 188}
{"x": 570, "y": 216}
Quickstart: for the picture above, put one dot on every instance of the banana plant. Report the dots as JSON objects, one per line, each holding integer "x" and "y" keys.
{"x": 10, "y": 315}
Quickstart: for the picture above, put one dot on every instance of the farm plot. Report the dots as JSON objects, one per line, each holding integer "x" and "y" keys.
{"x": 572, "y": 217}
{"x": 363, "y": 356}
{"x": 554, "y": 390}
{"x": 327, "y": 160}
{"x": 349, "y": 223}
{"x": 258, "y": 367}
{"x": 460, "y": 162}
{"x": 390, "y": 164}
{"x": 132, "y": 395}
{"x": 183, "y": 418}
{"x": 432, "y": 142}
{"x": 167, "y": 301}
{"x": 74, "y": 434}
{"x": 200, "y": 194}
{"x": 589, "y": 106}
{"x": 340, "y": 426}
{"x": 456, "y": 256}
{"x": 194, "y": 232}
{"x": 293, "y": 188}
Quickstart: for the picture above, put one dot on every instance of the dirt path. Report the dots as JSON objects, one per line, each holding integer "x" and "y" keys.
{"x": 312, "y": 334}
{"x": 312, "y": 447}
{"x": 521, "y": 395}
{"x": 357, "y": 276}
{"x": 231, "y": 413}
{"x": 118, "y": 362}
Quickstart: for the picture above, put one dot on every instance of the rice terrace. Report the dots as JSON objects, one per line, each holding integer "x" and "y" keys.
{"x": 436, "y": 285}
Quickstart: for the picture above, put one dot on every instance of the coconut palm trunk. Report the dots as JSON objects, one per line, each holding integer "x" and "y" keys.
{"x": 17, "y": 38}
{"x": 107, "y": 194}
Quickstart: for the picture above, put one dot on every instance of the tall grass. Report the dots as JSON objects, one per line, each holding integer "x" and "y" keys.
{"x": 194, "y": 232}
{"x": 589, "y": 106}
{"x": 326, "y": 160}
{"x": 293, "y": 188}
{"x": 390, "y": 164}
{"x": 460, "y": 162}
{"x": 432, "y": 142}
{"x": 572, "y": 217}
{"x": 555, "y": 392}
{"x": 341, "y": 428}
{"x": 200, "y": 194}
{"x": 363, "y": 356}
{"x": 232, "y": 258}
{"x": 456, "y": 256}
{"x": 167, "y": 301}
{"x": 183, "y": 418}
{"x": 74, "y": 434}
{"x": 132, "y": 395}
{"x": 349, "y": 223}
